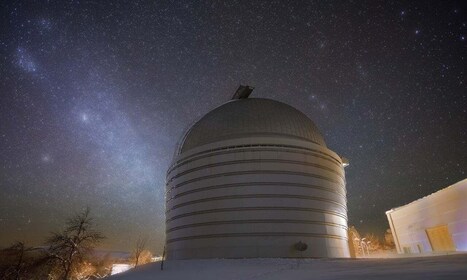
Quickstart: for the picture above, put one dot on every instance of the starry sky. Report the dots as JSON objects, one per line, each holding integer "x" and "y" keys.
{"x": 95, "y": 95}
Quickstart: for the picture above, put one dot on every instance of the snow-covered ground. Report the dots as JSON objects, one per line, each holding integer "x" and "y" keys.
{"x": 439, "y": 267}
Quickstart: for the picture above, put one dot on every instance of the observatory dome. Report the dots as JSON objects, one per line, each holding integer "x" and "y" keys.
{"x": 249, "y": 117}
{"x": 253, "y": 178}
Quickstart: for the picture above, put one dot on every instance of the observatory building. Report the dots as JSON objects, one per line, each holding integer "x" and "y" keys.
{"x": 432, "y": 224}
{"x": 253, "y": 178}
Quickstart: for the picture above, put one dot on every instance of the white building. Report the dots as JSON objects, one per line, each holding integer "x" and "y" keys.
{"x": 435, "y": 223}
{"x": 254, "y": 178}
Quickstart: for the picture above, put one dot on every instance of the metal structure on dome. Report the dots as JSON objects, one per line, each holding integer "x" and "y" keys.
{"x": 242, "y": 92}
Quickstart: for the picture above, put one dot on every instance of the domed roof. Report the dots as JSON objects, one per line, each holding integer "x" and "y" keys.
{"x": 251, "y": 117}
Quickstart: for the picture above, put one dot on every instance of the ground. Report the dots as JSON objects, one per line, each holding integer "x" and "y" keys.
{"x": 437, "y": 267}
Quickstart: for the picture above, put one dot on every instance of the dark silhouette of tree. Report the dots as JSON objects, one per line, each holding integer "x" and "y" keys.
{"x": 19, "y": 260}
{"x": 69, "y": 247}
{"x": 15, "y": 252}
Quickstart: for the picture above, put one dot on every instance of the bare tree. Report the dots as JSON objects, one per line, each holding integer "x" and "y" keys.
{"x": 70, "y": 246}
{"x": 104, "y": 266}
{"x": 140, "y": 246}
{"x": 373, "y": 242}
{"x": 16, "y": 251}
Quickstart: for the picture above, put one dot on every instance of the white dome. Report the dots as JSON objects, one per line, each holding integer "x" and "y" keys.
{"x": 251, "y": 117}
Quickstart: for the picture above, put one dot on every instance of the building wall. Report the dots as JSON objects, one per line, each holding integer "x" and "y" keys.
{"x": 256, "y": 197}
{"x": 409, "y": 223}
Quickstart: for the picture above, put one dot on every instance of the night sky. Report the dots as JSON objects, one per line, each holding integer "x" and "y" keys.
{"x": 95, "y": 96}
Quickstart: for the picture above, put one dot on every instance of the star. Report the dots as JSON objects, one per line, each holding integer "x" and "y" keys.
{"x": 84, "y": 117}
{"x": 45, "y": 158}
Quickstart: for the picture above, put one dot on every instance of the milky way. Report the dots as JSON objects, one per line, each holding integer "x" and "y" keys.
{"x": 95, "y": 97}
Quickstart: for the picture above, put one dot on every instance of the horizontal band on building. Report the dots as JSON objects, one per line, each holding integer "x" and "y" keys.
{"x": 248, "y": 196}
{"x": 253, "y": 184}
{"x": 256, "y": 148}
{"x": 243, "y": 161}
{"x": 264, "y": 208}
{"x": 258, "y": 221}
{"x": 249, "y": 172}
{"x": 257, "y": 234}
{"x": 213, "y": 141}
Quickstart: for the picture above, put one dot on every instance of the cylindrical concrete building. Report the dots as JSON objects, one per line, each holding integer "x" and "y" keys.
{"x": 253, "y": 178}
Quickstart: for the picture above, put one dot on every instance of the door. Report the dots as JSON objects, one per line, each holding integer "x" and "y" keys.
{"x": 440, "y": 238}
